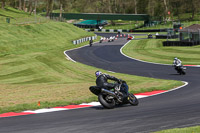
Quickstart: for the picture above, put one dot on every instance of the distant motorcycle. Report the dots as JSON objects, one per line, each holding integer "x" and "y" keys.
{"x": 111, "y": 39}
{"x": 117, "y": 96}
{"x": 181, "y": 70}
{"x": 150, "y": 36}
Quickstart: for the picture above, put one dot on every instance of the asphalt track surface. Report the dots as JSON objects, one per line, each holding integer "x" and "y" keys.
{"x": 179, "y": 108}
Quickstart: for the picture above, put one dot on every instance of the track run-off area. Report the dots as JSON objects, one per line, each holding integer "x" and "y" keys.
{"x": 177, "y": 108}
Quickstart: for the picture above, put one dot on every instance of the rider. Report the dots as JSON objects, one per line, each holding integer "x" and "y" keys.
{"x": 102, "y": 81}
{"x": 177, "y": 63}
{"x": 101, "y": 40}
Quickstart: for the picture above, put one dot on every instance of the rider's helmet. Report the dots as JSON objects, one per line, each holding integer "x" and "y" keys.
{"x": 97, "y": 73}
{"x": 175, "y": 58}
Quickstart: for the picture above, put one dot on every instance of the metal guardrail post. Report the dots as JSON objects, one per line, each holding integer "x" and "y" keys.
{"x": 8, "y": 20}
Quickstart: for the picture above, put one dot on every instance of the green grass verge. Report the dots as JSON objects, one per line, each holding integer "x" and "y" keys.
{"x": 33, "y": 68}
{"x": 169, "y": 25}
{"x": 151, "y": 50}
{"x": 195, "y": 129}
{"x": 12, "y": 13}
{"x": 124, "y": 24}
{"x": 19, "y": 17}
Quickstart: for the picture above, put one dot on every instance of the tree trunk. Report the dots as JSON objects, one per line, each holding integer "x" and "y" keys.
{"x": 61, "y": 8}
{"x": 49, "y": 7}
{"x": 115, "y": 7}
{"x": 30, "y": 7}
{"x": 166, "y": 8}
{"x": 177, "y": 7}
{"x": 3, "y": 4}
{"x": 194, "y": 7}
{"x": 20, "y": 5}
{"x": 109, "y": 7}
{"x": 24, "y": 5}
{"x": 35, "y": 8}
{"x": 135, "y": 5}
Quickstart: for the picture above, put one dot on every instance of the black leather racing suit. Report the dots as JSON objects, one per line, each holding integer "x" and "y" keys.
{"x": 102, "y": 81}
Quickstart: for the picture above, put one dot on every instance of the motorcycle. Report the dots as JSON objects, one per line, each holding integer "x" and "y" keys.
{"x": 181, "y": 70}
{"x": 111, "y": 39}
{"x": 100, "y": 41}
{"x": 150, "y": 36}
{"x": 117, "y": 96}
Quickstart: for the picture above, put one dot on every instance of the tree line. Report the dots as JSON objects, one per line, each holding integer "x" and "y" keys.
{"x": 155, "y": 8}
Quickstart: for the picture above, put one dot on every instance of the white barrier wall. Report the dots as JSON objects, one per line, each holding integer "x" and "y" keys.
{"x": 84, "y": 39}
{"x": 111, "y": 30}
{"x": 103, "y": 30}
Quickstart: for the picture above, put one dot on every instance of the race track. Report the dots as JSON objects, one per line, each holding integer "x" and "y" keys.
{"x": 179, "y": 108}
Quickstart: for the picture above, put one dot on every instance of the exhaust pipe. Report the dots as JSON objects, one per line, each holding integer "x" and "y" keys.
{"x": 109, "y": 92}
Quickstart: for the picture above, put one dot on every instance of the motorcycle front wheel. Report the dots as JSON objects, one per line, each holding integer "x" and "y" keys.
{"x": 133, "y": 100}
{"x": 106, "y": 101}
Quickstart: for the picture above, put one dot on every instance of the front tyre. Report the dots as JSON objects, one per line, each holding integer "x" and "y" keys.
{"x": 133, "y": 100}
{"x": 106, "y": 101}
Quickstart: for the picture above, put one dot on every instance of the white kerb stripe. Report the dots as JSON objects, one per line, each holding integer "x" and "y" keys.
{"x": 45, "y": 110}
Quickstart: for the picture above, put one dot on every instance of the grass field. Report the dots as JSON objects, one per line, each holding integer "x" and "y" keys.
{"x": 151, "y": 50}
{"x": 33, "y": 68}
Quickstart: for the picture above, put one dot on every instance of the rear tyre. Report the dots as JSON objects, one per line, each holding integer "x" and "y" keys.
{"x": 106, "y": 101}
{"x": 133, "y": 100}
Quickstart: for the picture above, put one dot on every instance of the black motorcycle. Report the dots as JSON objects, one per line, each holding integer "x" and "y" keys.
{"x": 117, "y": 96}
{"x": 150, "y": 36}
{"x": 181, "y": 70}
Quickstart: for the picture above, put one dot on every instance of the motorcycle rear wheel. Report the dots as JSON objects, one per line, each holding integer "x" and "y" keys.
{"x": 133, "y": 100}
{"x": 109, "y": 104}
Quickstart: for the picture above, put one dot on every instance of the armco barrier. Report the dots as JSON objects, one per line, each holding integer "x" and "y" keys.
{"x": 180, "y": 43}
{"x": 75, "y": 42}
{"x": 127, "y": 30}
{"x": 166, "y": 36}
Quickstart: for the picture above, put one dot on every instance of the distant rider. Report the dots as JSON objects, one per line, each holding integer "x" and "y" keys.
{"x": 91, "y": 41}
{"x": 101, "y": 40}
{"x": 177, "y": 63}
{"x": 111, "y": 39}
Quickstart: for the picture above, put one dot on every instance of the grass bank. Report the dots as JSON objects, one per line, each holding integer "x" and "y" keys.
{"x": 33, "y": 68}
{"x": 151, "y": 50}
{"x": 19, "y": 17}
{"x": 195, "y": 129}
